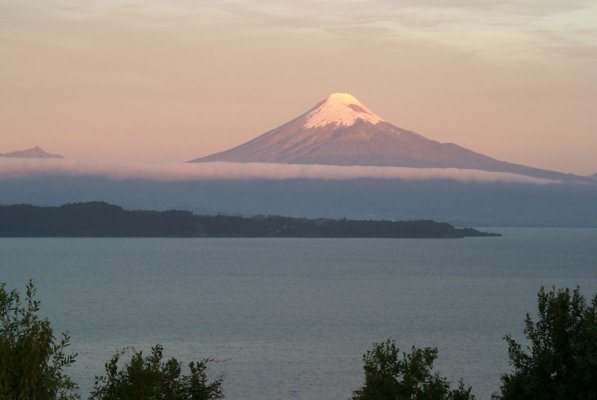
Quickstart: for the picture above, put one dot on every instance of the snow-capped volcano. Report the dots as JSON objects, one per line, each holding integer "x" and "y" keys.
{"x": 340, "y": 130}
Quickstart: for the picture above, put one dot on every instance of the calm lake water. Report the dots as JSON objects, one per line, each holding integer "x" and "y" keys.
{"x": 291, "y": 318}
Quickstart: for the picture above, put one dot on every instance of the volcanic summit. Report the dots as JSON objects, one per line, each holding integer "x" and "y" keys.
{"x": 341, "y": 130}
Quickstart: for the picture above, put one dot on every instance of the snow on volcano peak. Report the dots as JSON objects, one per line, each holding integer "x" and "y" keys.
{"x": 341, "y": 109}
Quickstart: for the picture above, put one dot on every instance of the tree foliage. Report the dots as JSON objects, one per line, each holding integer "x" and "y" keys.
{"x": 560, "y": 361}
{"x": 390, "y": 375}
{"x": 151, "y": 378}
{"x": 32, "y": 360}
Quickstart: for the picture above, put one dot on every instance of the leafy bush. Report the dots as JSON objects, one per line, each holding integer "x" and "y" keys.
{"x": 561, "y": 360}
{"x": 150, "y": 378}
{"x": 391, "y": 376}
{"x": 31, "y": 359}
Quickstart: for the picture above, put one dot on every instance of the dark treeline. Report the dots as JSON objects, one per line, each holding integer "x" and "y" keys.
{"x": 100, "y": 219}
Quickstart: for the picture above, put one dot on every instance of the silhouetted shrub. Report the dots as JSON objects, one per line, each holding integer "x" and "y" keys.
{"x": 150, "y": 378}
{"x": 390, "y": 375}
{"x": 32, "y": 361}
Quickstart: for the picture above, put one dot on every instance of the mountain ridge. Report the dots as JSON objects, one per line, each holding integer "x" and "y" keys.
{"x": 102, "y": 219}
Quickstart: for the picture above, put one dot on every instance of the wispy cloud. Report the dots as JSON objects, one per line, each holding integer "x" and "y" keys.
{"x": 490, "y": 29}
{"x": 486, "y": 27}
{"x": 22, "y": 168}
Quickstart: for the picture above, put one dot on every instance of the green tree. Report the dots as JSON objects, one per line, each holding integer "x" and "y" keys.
{"x": 151, "y": 378}
{"x": 560, "y": 361}
{"x": 391, "y": 375}
{"x": 31, "y": 358}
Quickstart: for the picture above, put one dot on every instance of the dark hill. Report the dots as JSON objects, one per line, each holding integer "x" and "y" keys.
{"x": 100, "y": 219}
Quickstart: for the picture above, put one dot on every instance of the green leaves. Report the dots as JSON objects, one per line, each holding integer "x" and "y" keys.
{"x": 32, "y": 360}
{"x": 391, "y": 375}
{"x": 561, "y": 358}
{"x": 151, "y": 378}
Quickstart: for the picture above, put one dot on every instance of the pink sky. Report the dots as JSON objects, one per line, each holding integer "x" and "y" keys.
{"x": 158, "y": 81}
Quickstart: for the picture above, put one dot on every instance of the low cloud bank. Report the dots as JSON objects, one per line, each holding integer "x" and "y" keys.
{"x": 22, "y": 168}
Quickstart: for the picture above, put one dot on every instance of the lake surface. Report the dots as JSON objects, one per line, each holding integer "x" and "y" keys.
{"x": 291, "y": 318}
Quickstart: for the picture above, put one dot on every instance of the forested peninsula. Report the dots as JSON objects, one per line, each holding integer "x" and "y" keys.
{"x": 100, "y": 219}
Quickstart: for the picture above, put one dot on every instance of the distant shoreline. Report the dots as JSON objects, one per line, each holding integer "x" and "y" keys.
{"x": 100, "y": 219}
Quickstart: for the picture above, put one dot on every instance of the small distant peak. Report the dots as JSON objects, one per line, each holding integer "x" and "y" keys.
{"x": 33, "y": 152}
{"x": 341, "y": 109}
